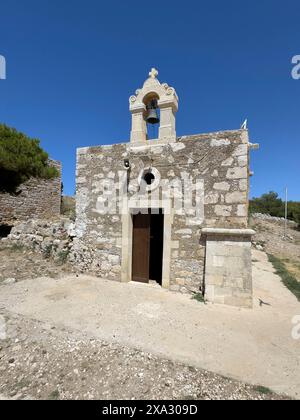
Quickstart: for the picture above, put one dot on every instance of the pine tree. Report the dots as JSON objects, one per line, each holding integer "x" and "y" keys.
{"x": 20, "y": 159}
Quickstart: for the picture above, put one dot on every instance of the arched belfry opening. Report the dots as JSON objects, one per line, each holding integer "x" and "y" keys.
{"x": 152, "y": 115}
{"x": 155, "y": 104}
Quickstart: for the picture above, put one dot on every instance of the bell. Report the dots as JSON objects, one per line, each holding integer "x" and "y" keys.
{"x": 152, "y": 117}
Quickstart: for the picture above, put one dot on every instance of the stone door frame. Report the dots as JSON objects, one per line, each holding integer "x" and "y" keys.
{"x": 127, "y": 236}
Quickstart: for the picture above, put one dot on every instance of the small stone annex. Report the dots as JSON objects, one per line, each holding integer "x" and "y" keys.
{"x": 34, "y": 199}
{"x": 171, "y": 210}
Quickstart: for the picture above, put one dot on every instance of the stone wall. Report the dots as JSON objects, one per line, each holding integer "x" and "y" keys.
{"x": 219, "y": 160}
{"x": 228, "y": 273}
{"x": 273, "y": 219}
{"x": 52, "y": 238}
{"x": 35, "y": 199}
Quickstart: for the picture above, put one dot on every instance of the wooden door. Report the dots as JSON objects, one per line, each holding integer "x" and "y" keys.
{"x": 141, "y": 248}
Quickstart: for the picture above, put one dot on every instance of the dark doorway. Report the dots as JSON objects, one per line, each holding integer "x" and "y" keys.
{"x": 5, "y": 230}
{"x": 147, "y": 250}
{"x": 156, "y": 246}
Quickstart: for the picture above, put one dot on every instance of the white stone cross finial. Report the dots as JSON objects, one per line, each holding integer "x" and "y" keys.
{"x": 153, "y": 73}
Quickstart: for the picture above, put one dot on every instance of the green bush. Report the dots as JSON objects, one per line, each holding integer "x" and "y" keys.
{"x": 199, "y": 297}
{"x": 268, "y": 203}
{"x": 263, "y": 390}
{"x": 294, "y": 211}
{"x": 20, "y": 159}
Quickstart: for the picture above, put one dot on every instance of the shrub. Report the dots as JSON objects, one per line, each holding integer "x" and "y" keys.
{"x": 263, "y": 390}
{"x": 20, "y": 159}
{"x": 268, "y": 203}
{"x": 199, "y": 297}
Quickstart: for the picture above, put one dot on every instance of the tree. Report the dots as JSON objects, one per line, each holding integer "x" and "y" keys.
{"x": 294, "y": 211}
{"x": 268, "y": 203}
{"x": 20, "y": 159}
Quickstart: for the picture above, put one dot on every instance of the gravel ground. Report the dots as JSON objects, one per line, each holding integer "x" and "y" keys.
{"x": 40, "y": 361}
{"x": 21, "y": 264}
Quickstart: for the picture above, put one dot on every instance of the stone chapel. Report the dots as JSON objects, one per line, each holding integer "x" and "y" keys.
{"x": 170, "y": 211}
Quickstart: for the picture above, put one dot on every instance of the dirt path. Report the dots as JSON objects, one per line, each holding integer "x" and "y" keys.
{"x": 58, "y": 363}
{"x": 253, "y": 346}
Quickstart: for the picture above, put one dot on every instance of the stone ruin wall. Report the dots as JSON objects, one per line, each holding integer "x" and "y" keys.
{"x": 51, "y": 237}
{"x": 35, "y": 199}
{"x": 220, "y": 159}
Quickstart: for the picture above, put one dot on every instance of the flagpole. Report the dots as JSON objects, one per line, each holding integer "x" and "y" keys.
{"x": 286, "y": 212}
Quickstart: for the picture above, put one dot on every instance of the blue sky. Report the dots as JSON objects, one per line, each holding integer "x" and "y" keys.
{"x": 72, "y": 65}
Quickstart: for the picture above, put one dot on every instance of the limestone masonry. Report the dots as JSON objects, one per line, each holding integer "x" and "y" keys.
{"x": 35, "y": 199}
{"x": 200, "y": 183}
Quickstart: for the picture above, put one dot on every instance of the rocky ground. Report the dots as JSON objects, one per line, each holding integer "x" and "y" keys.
{"x": 270, "y": 237}
{"x": 42, "y": 361}
{"x": 19, "y": 263}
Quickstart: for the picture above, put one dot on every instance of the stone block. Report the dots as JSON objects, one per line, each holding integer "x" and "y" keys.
{"x": 184, "y": 232}
{"x": 211, "y": 198}
{"x": 237, "y": 173}
{"x": 243, "y": 185}
{"x": 242, "y": 210}
{"x": 228, "y": 277}
{"x": 81, "y": 180}
{"x": 218, "y": 261}
{"x": 222, "y": 186}
{"x": 180, "y": 281}
{"x": 215, "y": 280}
{"x": 219, "y": 142}
{"x": 235, "y": 197}
{"x": 243, "y": 160}
{"x": 114, "y": 259}
{"x": 227, "y": 162}
{"x": 240, "y": 150}
{"x": 221, "y": 210}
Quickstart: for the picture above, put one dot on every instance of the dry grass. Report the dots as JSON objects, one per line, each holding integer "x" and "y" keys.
{"x": 288, "y": 279}
{"x": 293, "y": 267}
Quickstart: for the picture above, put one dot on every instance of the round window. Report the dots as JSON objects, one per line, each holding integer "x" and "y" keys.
{"x": 151, "y": 177}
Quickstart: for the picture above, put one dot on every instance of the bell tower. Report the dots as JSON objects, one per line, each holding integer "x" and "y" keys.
{"x": 144, "y": 105}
